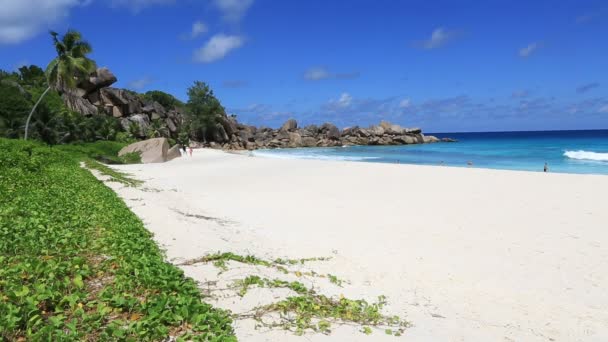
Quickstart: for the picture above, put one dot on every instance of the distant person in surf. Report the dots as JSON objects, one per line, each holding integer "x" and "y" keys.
{"x": 546, "y": 168}
{"x": 470, "y": 163}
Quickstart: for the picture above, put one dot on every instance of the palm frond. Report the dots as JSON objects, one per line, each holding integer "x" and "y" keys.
{"x": 71, "y": 38}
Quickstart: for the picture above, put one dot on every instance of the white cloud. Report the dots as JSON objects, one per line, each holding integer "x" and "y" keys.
{"x": 23, "y": 19}
{"x": 321, "y": 73}
{"x": 198, "y": 28}
{"x": 603, "y": 109}
{"x": 138, "y": 5}
{"x": 316, "y": 73}
{"x": 233, "y": 10}
{"x": 140, "y": 83}
{"x": 344, "y": 101}
{"x": 217, "y": 48}
{"x": 528, "y": 50}
{"x": 438, "y": 38}
{"x": 405, "y": 103}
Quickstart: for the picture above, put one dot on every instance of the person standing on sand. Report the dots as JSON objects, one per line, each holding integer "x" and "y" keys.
{"x": 546, "y": 168}
{"x": 190, "y": 151}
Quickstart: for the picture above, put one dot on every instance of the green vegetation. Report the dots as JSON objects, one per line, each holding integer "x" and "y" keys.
{"x": 308, "y": 310}
{"x": 77, "y": 265}
{"x": 32, "y": 104}
{"x": 312, "y": 311}
{"x": 166, "y": 100}
{"x": 316, "y": 312}
{"x": 115, "y": 176}
{"x": 70, "y": 66}
{"x": 219, "y": 260}
{"x": 204, "y": 112}
{"x": 244, "y": 284}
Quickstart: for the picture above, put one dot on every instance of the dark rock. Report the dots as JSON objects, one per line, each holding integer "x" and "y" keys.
{"x": 295, "y": 140}
{"x": 331, "y": 131}
{"x": 142, "y": 121}
{"x": 101, "y": 78}
{"x": 78, "y": 104}
{"x": 448, "y": 140}
{"x": 220, "y": 135}
{"x": 171, "y": 125}
{"x": 289, "y": 126}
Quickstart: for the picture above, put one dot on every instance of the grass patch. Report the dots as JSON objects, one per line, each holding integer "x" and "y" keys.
{"x": 115, "y": 176}
{"x": 77, "y": 265}
{"x": 103, "y": 151}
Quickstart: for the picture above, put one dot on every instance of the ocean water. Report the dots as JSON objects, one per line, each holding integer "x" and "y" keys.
{"x": 563, "y": 151}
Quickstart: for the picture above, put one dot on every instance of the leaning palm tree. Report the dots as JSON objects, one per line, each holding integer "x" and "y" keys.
{"x": 70, "y": 66}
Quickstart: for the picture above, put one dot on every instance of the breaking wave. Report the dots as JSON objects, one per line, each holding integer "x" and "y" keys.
{"x": 586, "y": 155}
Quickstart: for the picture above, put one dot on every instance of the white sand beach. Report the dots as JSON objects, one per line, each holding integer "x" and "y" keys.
{"x": 462, "y": 254}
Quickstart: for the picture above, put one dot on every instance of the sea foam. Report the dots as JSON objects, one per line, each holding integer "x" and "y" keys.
{"x": 586, "y": 155}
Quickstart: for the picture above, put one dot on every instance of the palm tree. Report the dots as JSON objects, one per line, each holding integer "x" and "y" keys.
{"x": 68, "y": 68}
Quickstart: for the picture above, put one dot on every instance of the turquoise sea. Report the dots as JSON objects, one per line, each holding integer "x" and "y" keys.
{"x": 563, "y": 151}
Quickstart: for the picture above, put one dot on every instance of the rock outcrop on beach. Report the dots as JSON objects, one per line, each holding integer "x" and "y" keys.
{"x": 290, "y": 135}
{"x": 95, "y": 96}
{"x": 154, "y": 150}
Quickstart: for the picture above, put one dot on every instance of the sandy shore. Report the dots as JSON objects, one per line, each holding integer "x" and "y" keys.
{"x": 463, "y": 254}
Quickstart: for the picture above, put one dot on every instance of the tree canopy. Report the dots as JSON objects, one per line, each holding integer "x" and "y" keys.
{"x": 204, "y": 111}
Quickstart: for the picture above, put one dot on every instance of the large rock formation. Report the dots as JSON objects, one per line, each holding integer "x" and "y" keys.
{"x": 327, "y": 135}
{"x": 151, "y": 150}
{"x": 94, "y": 96}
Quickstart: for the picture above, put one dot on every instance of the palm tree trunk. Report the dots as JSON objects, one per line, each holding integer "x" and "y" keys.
{"x": 29, "y": 117}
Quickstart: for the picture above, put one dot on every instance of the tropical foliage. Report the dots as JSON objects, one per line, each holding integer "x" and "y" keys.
{"x": 70, "y": 66}
{"x": 166, "y": 100}
{"x": 77, "y": 265}
{"x": 204, "y": 111}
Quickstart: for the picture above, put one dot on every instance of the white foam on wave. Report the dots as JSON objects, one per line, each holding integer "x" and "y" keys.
{"x": 586, "y": 155}
{"x": 311, "y": 156}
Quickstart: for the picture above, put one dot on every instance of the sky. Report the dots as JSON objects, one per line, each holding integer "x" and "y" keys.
{"x": 444, "y": 66}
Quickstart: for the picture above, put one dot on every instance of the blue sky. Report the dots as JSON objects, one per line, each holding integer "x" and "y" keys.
{"x": 445, "y": 66}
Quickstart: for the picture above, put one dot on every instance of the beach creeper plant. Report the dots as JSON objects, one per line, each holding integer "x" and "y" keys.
{"x": 77, "y": 265}
{"x": 68, "y": 68}
{"x": 308, "y": 310}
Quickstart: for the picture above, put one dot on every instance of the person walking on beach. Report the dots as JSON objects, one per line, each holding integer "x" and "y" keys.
{"x": 190, "y": 151}
{"x": 546, "y": 168}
